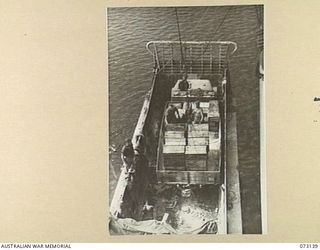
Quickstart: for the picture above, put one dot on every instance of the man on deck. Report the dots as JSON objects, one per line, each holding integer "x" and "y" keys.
{"x": 172, "y": 114}
{"x": 127, "y": 154}
{"x": 197, "y": 114}
{"x": 184, "y": 84}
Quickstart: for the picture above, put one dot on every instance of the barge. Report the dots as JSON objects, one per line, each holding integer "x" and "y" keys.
{"x": 184, "y": 177}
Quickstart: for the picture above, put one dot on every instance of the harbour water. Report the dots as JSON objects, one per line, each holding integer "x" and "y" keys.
{"x": 130, "y": 74}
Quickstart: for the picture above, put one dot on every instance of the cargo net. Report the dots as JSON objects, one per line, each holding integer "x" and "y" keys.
{"x": 202, "y": 58}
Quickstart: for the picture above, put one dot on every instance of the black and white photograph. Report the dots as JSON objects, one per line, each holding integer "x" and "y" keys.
{"x": 186, "y": 120}
{"x": 157, "y": 122}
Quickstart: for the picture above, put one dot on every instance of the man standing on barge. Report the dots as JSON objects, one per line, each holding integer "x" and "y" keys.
{"x": 184, "y": 84}
{"x": 172, "y": 114}
{"x": 197, "y": 114}
{"x": 127, "y": 154}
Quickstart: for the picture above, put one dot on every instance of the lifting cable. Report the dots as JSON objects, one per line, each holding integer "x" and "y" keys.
{"x": 203, "y": 15}
{"x": 179, "y": 33}
{"x": 218, "y": 29}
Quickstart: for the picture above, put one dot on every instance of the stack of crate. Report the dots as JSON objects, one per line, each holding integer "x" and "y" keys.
{"x": 174, "y": 147}
{"x": 174, "y": 157}
{"x": 205, "y": 107}
{"x": 198, "y": 134}
{"x": 196, "y": 158}
{"x": 213, "y": 116}
{"x": 196, "y": 151}
{"x": 175, "y": 134}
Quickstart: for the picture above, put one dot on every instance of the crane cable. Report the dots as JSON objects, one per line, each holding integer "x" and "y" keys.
{"x": 197, "y": 24}
{"x": 179, "y": 33}
{"x": 217, "y": 30}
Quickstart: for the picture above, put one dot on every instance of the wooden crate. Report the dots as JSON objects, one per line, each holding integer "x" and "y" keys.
{"x": 213, "y": 115}
{"x": 205, "y": 107}
{"x": 174, "y": 162}
{"x": 198, "y": 127}
{"x": 198, "y": 141}
{"x": 213, "y": 124}
{"x": 173, "y": 157}
{"x": 198, "y": 133}
{"x": 174, "y": 134}
{"x": 175, "y": 141}
{"x": 196, "y": 158}
{"x": 173, "y": 149}
{"x": 204, "y": 104}
{"x": 175, "y": 127}
{"x": 196, "y": 162}
{"x": 214, "y": 109}
{"x": 214, "y": 141}
{"x": 196, "y": 150}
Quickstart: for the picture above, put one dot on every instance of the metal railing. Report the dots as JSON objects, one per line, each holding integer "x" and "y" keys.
{"x": 200, "y": 57}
